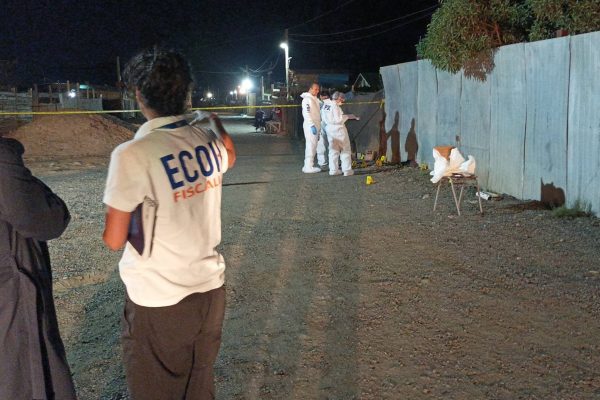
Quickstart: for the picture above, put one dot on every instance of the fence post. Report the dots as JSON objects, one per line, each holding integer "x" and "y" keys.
{"x": 14, "y": 92}
{"x": 35, "y": 99}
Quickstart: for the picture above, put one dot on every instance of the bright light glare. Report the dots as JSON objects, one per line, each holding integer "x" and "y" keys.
{"x": 72, "y": 93}
{"x": 283, "y": 45}
{"x": 246, "y": 84}
{"x": 231, "y": 93}
{"x": 209, "y": 95}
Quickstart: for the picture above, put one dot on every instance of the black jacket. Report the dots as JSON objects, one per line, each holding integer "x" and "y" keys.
{"x": 33, "y": 363}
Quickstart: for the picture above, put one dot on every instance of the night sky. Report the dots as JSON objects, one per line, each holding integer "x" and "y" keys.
{"x": 79, "y": 40}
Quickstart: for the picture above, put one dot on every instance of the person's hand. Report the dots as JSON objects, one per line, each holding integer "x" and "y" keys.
{"x": 215, "y": 123}
{"x": 313, "y": 129}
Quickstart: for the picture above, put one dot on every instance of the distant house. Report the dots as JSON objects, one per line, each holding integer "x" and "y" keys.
{"x": 328, "y": 79}
{"x": 367, "y": 82}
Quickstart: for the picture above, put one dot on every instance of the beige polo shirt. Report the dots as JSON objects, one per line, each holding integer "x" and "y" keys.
{"x": 181, "y": 167}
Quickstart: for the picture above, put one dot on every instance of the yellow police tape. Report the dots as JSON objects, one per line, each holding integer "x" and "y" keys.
{"x": 193, "y": 109}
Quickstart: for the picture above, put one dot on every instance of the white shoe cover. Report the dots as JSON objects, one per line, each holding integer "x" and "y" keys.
{"x": 310, "y": 170}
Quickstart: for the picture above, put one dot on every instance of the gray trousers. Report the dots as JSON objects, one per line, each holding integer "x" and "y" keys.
{"x": 169, "y": 352}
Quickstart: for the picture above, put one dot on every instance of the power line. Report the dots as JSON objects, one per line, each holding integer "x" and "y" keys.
{"x": 217, "y": 72}
{"x": 365, "y": 27}
{"x": 258, "y": 70}
{"x": 322, "y": 15}
{"x": 366, "y": 36}
{"x": 269, "y": 69}
{"x": 238, "y": 39}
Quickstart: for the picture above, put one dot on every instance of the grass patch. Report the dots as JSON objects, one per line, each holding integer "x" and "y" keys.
{"x": 579, "y": 209}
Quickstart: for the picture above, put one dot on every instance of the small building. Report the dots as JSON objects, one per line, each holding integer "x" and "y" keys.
{"x": 367, "y": 82}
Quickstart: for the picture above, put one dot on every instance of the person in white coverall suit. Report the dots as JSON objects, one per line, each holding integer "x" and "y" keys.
{"x": 311, "y": 127}
{"x": 337, "y": 135}
{"x": 323, "y": 144}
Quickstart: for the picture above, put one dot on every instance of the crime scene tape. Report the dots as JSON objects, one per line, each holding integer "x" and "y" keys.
{"x": 74, "y": 112}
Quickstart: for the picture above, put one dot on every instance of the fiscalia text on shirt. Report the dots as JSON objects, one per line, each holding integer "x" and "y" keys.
{"x": 191, "y": 173}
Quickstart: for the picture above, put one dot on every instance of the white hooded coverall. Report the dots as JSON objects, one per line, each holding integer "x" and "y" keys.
{"x": 322, "y": 144}
{"x": 312, "y": 117}
{"x": 337, "y": 135}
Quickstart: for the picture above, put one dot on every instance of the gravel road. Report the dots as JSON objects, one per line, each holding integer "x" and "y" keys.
{"x": 339, "y": 290}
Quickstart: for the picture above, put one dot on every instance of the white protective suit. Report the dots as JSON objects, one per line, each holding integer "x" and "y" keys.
{"x": 337, "y": 135}
{"x": 322, "y": 144}
{"x": 312, "y": 118}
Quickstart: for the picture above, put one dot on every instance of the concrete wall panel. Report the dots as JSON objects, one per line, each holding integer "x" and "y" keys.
{"x": 475, "y": 120}
{"x": 448, "y": 109}
{"x": 427, "y": 112}
{"x": 391, "y": 82}
{"x": 545, "y": 174}
{"x": 409, "y": 82}
{"x": 584, "y": 122}
{"x": 508, "y": 113}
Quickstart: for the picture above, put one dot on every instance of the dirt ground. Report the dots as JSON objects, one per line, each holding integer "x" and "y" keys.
{"x": 339, "y": 290}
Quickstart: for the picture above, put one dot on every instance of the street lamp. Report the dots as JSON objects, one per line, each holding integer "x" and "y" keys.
{"x": 247, "y": 84}
{"x": 285, "y": 47}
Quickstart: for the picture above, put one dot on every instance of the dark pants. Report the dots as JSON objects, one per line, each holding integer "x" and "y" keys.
{"x": 169, "y": 352}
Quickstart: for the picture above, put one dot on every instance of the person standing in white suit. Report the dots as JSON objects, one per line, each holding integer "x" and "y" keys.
{"x": 323, "y": 144}
{"x": 312, "y": 125}
{"x": 337, "y": 135}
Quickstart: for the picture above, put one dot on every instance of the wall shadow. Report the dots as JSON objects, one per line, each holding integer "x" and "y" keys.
{"x": 411, "y": 145}
{"x": 551, "y": 195}
{"x": 394, "y": 134}
{"x": 382, "y": 135}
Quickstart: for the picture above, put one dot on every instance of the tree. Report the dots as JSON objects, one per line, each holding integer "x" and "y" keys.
{"x": 463, "y": 34}
{"x": 574, "y": 16}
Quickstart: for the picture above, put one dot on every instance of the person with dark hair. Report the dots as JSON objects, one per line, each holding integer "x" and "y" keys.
{"x": 259, "y": 120}
{"x": 33, "y": 364}
{"x": 163, "y": 197}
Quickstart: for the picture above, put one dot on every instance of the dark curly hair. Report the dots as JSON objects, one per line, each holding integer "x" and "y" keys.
{"x": 163, "y": 77}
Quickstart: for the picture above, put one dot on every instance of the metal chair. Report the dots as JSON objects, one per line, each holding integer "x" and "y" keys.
{"x": 460, "y": 180}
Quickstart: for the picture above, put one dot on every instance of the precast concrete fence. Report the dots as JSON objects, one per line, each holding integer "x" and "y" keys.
{"x": 533, "y": 125}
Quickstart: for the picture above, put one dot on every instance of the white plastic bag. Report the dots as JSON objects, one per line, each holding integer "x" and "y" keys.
{"x": 455, "y": 164}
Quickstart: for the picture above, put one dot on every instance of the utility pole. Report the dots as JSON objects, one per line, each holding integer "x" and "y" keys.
{"x": 287, "y": 63}
{"x": 118, "y": 70}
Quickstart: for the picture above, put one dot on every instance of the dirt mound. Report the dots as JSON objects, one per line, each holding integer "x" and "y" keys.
{"x": 72, "y": 136}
